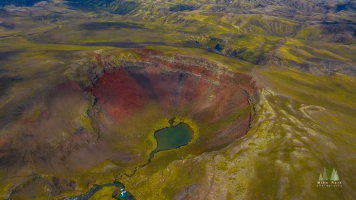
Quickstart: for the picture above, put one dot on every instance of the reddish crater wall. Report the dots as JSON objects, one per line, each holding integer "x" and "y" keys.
{"x": 193, "y": 87}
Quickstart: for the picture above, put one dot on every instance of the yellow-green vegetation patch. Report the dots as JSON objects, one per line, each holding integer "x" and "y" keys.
{"x": 20, "y": 42}
{"x": 334, "y": 92}
{"x": 230, "y": 119}
{"x": 309, "y": 33}
{"x": 4, "y": 189}
{"x": 285, "y": 52}
{"x": 183, "y": 175}
{"x": 136, "y": 131}
{"x": 300, "y": 52}
{"x": 254, "y": 48}
{"x": 86, "y": 123}
{"x": 165, "y": 180}
{"x": 104, "y": 193}
{"x": 35, "y": 114}
{"x": 321, "y": 53}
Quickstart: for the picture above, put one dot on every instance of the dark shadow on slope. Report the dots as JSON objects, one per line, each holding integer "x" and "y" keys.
{"x": 8, "y": 55}
{"x": 181, "y": 7}
{"x": 106, "y": 25}
{"x": 19, "y": 2}
{"x": 5, "y": 84}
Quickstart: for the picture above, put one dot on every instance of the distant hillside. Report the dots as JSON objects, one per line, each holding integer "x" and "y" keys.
{"x": 19, "y": 2}
{"x": 123, "y": 7}
{"x": 114, "y": 6}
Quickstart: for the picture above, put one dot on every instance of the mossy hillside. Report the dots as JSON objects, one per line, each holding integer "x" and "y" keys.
{"x": 254, "y": 48}
{"x": 345, "y": 51}
{"x": 118, "y": 55}
{"x": 332, "y": 92}
{"x": 174, "y": 176}
{"x": 117, "y": 7}
{"x": 310, "y": 33}
{"x": 233, "y": 64}
{"x": 276, "y": 27}
{"x": 216, "y": 25}
{"x": 35, "y": 48}
{"x": 253, "y": 43}
{"x": 299, "y": 51}
{"x": 303, "y": 157}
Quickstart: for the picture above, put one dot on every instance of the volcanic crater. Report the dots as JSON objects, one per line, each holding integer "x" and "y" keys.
{"x": 109, "y": 118}
{"x": 147, "y": 86}
{"x": 113, "y": 113}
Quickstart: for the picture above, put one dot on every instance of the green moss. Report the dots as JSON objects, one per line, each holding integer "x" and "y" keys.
{"x": 181, "y": 7}
{"x": 104, "y": 193}
{"x": 35, "y": 114}
{"x": 309, "y": 33}
{"x": 86, "y": 123}
{"x": 4, "y": 188}
{"x": 233, "y": 170}
{"x": 224, "y": 122}
{"x": 182, "y": 178}
{"x": 333, "y": 92}
{"x": 223, "y": 166}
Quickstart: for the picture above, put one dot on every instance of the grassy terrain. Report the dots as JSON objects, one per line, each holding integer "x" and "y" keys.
{"x": 304, "y": 122}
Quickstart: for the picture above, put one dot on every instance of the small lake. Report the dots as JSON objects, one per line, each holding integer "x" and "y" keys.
{"x": 173, "y": 137}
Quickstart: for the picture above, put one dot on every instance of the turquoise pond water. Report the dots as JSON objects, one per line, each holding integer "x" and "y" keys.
{"x": 173, "y": 137}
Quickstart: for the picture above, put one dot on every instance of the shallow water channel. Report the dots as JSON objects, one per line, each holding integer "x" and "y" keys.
{"x": 171, "y": 137}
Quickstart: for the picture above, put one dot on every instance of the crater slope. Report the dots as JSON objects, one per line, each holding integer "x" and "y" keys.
{"x": 102, "y": 117}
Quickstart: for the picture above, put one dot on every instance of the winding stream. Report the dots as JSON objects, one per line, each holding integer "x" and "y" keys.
{"x": 171, "y": 137}
{"x": 124, "y": 195}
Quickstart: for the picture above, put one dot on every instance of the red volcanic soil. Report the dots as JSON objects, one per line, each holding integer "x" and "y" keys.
{"x": 182, "y": 86}
{"x": 119, "y": 92}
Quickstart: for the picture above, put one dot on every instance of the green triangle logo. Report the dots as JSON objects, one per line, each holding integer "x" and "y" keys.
{"x": 325, "y": 176}
{"x": 334, "y": 175}
{"x": 329, "y": 172}
{"x": 320, "y": 177}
